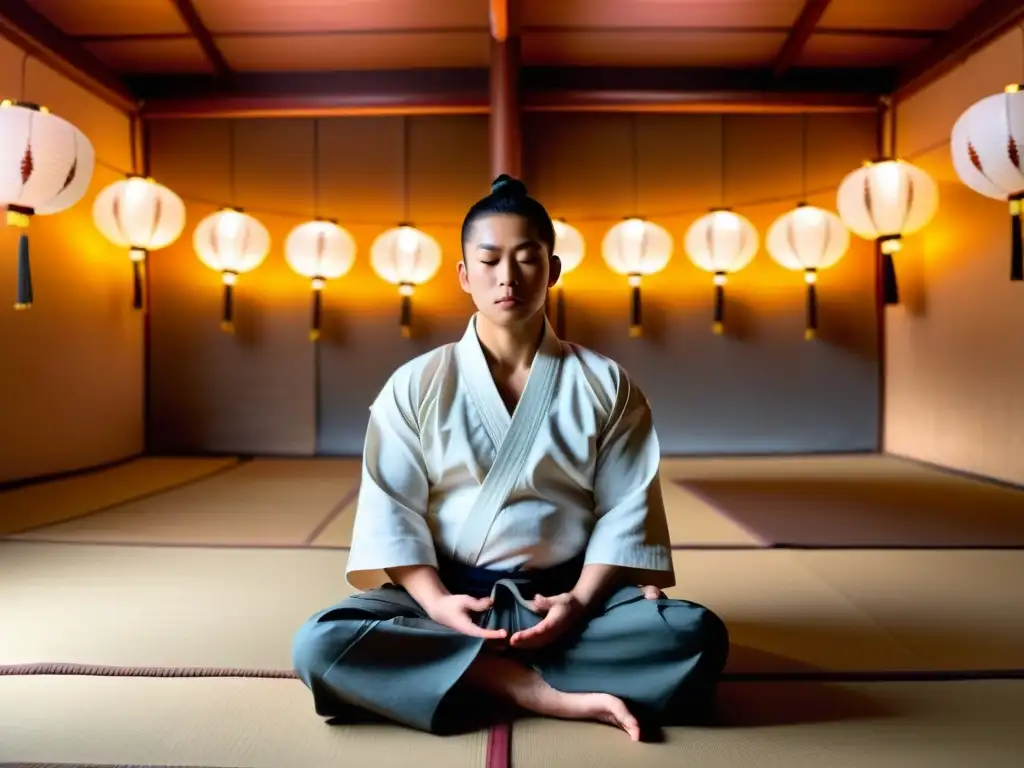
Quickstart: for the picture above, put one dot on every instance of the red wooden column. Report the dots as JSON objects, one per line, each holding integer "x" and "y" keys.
{"x": 505, "y": 121}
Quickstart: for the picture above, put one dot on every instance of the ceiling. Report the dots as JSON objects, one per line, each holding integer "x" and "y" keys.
{"x": 147, "y": 42}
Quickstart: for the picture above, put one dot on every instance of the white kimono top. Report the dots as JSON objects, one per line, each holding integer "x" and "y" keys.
{"x": 447, "y": 469}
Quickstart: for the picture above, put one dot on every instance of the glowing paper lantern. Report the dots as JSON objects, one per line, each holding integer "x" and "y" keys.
{"x": 319, "y": 250}
{"x": 139, "y": 214}
{"x": 808, "y": 239}
{"x": 721, "y": 242}
{"x": 46, "y": 165}
{"x": 406, "y": 257}
{"x": 230, "y": 242}
{"x": 985, "y": 145}
{"x": 570, "y": 248}
{"x": 884, "y": 201}
{"x": 636, "y": 248}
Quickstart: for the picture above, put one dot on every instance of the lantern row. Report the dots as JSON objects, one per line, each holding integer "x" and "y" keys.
{"x": 47, "y": 164}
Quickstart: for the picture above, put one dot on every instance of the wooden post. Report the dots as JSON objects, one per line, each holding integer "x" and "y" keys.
{"x": 505, "y": 120}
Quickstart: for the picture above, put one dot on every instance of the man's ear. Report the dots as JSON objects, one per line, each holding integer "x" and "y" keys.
{"x": 463, "y": 275}
{"x": 555, "y": 271}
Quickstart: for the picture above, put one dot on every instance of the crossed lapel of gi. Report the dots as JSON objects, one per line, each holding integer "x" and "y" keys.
{"x": 513, "y": 436}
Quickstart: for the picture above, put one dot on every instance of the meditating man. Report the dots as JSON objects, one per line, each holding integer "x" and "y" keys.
{"x": 510, "y": 506}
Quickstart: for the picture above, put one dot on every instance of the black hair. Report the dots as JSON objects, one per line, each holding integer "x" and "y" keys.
{"x": 509, "y": 195}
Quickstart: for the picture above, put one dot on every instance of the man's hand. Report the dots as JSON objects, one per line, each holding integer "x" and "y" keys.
{"x": 455, "y": 611}
{"x": 651, "y": 592}
{"x": 561, "y": 612}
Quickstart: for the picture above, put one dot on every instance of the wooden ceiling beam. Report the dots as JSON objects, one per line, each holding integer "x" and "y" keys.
{"x": 190, "y": 16}
{"x": 32, "y": 32}
{"x": 467, "y": 91}
{"x": 987, "y": 22}
{"x": 316, "y": 94}
{"x": 799, "y": 34}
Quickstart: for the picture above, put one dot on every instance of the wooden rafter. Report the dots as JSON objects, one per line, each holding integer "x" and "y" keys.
{"x": 34, "y": 33}
{"x": 202, "y": 35}
{"x": 990, "y": 20}
{"x": 798, "y": 36}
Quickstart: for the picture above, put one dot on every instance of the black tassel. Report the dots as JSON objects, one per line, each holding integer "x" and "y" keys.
{"x": 314, "y": 332}
{"x": 811, "y": 331}
{"x": 890, "y": 289}
{"x": 227, "y": 323}
{"x": 719, "y": 324}
{"x": 560, "y": 313}
{"x": 136, "y": 284}
{"x": 24, "y": 275}
{"x": 635, "y": 312}
{"x": 1017, "y": 247}
{"x": 405, "y": 319}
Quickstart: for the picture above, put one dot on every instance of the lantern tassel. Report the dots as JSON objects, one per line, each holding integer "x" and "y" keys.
{"x": 405, "y": 316}
{"x": 227, "y": 323}
{"x": 136, "y": 284}
{"x": 635, "y": 312}
{"x": 560, "y": 313}
{"x": 314, "y": 331}
{"x": 1017, "y": 249}
{"x": 718, "y": 327}
{"x": 811, "y": 331}
{"x": 890, "y": 288}
{"x": 25, "y": 295}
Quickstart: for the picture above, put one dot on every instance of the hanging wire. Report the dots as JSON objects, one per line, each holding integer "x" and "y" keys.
{"x": 316, "y": 168}
{"x": 24, "y": 76}
{"x": 232, "y": 182}
{"x": 721, "y": 164}
{"x": 668, "y": 213}
{"x": 803, "y": 156}
{"x": 634, "y": 139}
{"x": 406, "y": 162}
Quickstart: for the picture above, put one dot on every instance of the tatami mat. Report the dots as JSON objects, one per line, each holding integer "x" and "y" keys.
{"x": 953, "y": 609}
{"x": 155, "y": 606}
{"x": 203, "y": 722}
{"x": 692, "y": 522}
{"x": 56, "y": 500}
{"x": 783, "y": 725}
{"x": 145, "y": 606}
{"x": 261, "y": 502}
{"x": 865, "y": 501}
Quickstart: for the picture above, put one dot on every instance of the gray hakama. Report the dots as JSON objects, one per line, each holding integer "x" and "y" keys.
{"x": 377, "y": 654}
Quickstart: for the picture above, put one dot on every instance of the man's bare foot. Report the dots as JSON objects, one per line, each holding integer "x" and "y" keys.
{"x": 601, "y": 707}
{"x": 526, "y": 688}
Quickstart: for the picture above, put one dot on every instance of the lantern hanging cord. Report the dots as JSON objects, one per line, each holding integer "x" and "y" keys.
{"x": 133, "y": 127}
{"x": 24, "y": 76}
{"x": 803, "y": 157}
{"x": 232, "y": 190}
{"x": 634, "y": 139}
{"x": 316, "y": 168}
{"x": 721, "y": 164}
{"x": 405, "y": 167}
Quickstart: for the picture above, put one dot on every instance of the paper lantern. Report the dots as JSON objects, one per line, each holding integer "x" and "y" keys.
{"x": 139, "y": 214}
{"x": 985, "y": 145}
{"x": 406, "y": 257}
{"x": 319, "y": 250}
{"x": 46, "y": 166}
{"x": 721, "y": 242}
{"x": 808, "y": 239}
{"x": 232, "y": 243}
{"x": 570, "y": 249}
{"x": 636, "y": 248}
{"x": 885, "y": 201}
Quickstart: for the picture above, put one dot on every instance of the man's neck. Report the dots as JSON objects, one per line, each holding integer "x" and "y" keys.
{"x": 510, "y": 349}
